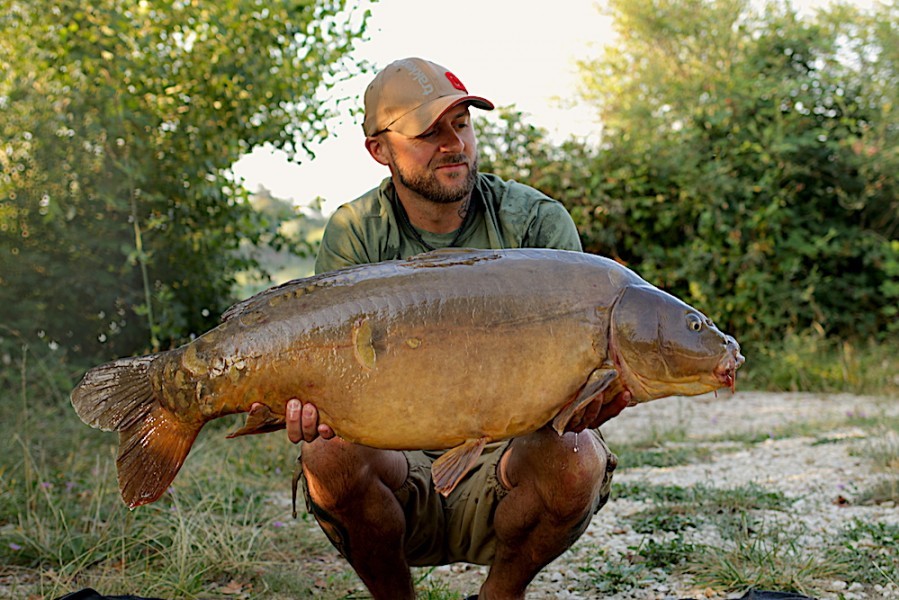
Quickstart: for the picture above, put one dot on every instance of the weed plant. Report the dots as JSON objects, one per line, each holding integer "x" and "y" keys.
{"x": 868, "y": 552}
{"x": 667, "y": 555}
{"x": 811, "y": 362}
{"x": 767, "y": 556}
{"x": 701, "y": 499}
{"x": 608, "y": 576}
{"x": 882, "y": 448}
{"x": 882, "y": 451}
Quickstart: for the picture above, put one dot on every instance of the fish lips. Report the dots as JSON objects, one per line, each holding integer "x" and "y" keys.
{"x": 726, "y": 371}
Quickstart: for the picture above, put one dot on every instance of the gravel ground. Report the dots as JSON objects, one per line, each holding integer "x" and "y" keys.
{"x": 821, "y": 479}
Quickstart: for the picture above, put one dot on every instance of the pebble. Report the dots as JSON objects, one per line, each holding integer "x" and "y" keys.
{"x": 837, "y": 586}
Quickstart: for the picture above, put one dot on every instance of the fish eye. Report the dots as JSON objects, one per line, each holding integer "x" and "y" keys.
{"x": 694, "y": 322}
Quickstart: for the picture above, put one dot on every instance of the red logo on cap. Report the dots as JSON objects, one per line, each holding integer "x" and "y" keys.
{"x": 455, "y": 81}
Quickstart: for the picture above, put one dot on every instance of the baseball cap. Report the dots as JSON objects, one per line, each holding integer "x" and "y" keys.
{"x": 411, "y": 94}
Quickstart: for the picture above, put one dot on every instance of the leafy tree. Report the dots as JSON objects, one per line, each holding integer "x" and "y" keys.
{"x": 120, "y": 220}
{"x": 748, "y": 162}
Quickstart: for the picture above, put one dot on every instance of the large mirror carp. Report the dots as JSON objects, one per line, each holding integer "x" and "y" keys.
{"x": 449, "y": 349}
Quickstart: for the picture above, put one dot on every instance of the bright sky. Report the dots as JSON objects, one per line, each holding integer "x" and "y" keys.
{"x": 509, "y": 51}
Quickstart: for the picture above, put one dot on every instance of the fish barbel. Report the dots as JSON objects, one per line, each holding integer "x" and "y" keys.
{"x": 449, "y": 349}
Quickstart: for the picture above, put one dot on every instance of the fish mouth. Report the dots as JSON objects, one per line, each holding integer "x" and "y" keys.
{"x": 726, "y": 371}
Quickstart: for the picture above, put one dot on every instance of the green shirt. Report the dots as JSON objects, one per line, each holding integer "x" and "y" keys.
{"x": 503, "y": 214}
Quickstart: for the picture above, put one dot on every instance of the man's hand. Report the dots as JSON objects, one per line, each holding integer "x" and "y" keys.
{"x": 302, "y": 422}
{"x": 598, "y": 412}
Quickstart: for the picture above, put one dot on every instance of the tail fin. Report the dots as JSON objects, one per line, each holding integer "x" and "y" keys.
{"x": 153, "y": 441}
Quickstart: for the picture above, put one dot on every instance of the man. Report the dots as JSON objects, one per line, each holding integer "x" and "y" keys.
{"x": 528, "y": 499}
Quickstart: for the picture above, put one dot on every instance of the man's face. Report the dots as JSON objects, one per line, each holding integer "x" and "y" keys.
{"x": 441, "y": 164}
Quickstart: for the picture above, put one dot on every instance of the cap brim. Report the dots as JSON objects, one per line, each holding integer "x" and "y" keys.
{"x": 418, "y": 121}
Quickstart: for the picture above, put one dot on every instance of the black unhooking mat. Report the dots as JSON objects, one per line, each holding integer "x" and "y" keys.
{"x": 91, "y": 594}
{"x": 758, "y": 595}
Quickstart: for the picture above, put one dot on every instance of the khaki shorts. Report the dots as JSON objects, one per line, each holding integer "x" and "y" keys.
{"x": 458, "y": 528}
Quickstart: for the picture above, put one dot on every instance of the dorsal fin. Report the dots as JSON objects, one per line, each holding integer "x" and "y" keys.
{"x": 354, "y": 274}
{"x": 298, "y": 287}
{"x": 443, "y": 257}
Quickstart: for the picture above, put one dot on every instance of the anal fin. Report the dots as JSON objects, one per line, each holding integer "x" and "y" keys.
{"x": 260, "y": 419}
{"x": 448, "y": 470}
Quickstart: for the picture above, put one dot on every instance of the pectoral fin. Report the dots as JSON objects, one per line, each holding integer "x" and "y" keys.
{"x": 260, "y": 419}
{"x": 597, "y": 382}
{"x": 448, "y": 470}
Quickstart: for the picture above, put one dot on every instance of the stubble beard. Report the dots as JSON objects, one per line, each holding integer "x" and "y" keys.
{"x": 426, "y": 185}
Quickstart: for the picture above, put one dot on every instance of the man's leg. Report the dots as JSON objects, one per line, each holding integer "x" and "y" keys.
{"x": 553, "y": 491}
{"x": 351, "y": 488}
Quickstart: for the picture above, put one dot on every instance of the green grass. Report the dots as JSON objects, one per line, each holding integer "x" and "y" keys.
{"x": 665, "y": 445}
{"x": 881, "y": 450}
{"x": 680, "y": 511}
{"x": 823, "y": 429}
{"x": 883, "y": 492}
{"x": 608, "y": 576}
{"x": 768, "y": 555}
{"x": 701, "y": 499}
{"x": 217, "y": 525}
{"x": 810, "y": 362}
{"x": 63, "y": 525}
{"x": 882, "y": 447}
{"x": 632, "y": 457}
{"x": 868, "y": 553}
{"x": 761, "y": 546}
{"x": 673, "y": 518}
{"x": 676, "y": 509}
{"x": 667, "y": 555}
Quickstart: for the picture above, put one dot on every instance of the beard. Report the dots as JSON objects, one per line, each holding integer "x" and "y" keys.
{"x": 426, "y": 184}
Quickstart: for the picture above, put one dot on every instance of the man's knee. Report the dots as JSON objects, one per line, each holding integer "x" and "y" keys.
{"x": 336, "y": 470}
{"x": 567, "y": 473}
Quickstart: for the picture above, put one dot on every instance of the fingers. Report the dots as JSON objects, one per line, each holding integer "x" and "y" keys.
{"x": 591, "y": 411}
{"x": 325, "y": 431}
{"x": 584, "y": 417}
{"x": 293, "y": 414}
{"x": 613, "y": 408}
{"x": 302, "y": 422}
{"x": 309, "y": 422}
{"x": 598, "y": 412}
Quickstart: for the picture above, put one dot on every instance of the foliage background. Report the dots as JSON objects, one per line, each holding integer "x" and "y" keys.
{"x": 748, "y": 164}
{"x": 121, "y": 229}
